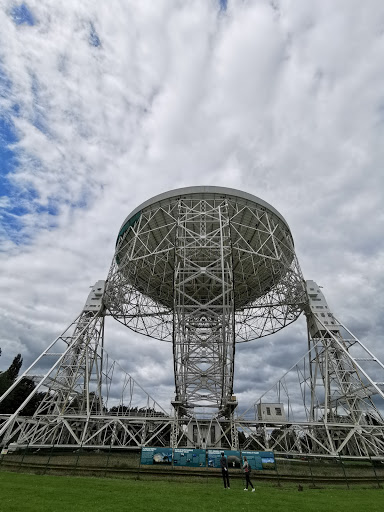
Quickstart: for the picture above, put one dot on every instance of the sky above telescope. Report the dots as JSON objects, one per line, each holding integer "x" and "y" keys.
{"x": 104, "y": 104}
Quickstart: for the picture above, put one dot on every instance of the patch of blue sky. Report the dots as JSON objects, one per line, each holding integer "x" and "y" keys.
{"x": 12, "y": 214}
{"x": 24, "y": 203}
{"x": 16, "y": 201}
{"x": 8, "y": 138}
{"x": 22, "y": 15}
{"x": 94, "y": 39}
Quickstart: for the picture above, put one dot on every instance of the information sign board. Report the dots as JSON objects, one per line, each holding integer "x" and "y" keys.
{"x": 233, "y": 458}
{"x": 156, "y": 456}
{"x": 257, "y": 460}
{"x": 189, "y": 457}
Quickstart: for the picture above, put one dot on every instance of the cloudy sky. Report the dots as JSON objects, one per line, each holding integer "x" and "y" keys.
{"x": 106, "y": 104}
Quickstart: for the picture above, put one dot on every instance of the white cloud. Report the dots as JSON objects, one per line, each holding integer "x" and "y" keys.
{"x": 5, "y": 201}
{"x": 285, "y": 103}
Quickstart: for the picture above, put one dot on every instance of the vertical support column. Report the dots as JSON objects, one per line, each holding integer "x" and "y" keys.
{"x": 175, "y": 429}
{"x": 203, "y": 341}
{"x": 234, "y": 433}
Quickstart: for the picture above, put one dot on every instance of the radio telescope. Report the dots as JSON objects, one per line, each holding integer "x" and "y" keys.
{"x": 204, "y": 268}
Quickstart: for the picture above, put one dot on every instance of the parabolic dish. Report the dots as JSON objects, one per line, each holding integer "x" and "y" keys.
{"x": 267, "y": 282}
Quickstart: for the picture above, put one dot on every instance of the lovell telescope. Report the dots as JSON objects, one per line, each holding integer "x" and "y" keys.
{"x": 205, "y": 268}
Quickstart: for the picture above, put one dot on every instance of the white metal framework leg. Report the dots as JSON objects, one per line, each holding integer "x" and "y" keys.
{"x": 329, "y": 401}
{"x": 75, "y": 408}
{"x": 203, "y": 344}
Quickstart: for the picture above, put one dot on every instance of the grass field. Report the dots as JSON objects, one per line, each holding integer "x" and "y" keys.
{"x": 33, "y": 493}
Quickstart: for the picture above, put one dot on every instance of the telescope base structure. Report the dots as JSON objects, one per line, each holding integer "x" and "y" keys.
{"x": 340, "y": 382}
{"x": 130, "y": 433}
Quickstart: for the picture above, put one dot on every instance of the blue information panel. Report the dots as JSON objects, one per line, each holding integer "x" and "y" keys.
{"x": 259, "y": 460}
{"x": 199, "y": 458}
{"x": 233, "y": 458}
{"x": 156, "y": 456}
{"x": 189, "y": 457}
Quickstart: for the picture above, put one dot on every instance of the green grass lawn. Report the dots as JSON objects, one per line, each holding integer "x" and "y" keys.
{"x": 33, "y": 493}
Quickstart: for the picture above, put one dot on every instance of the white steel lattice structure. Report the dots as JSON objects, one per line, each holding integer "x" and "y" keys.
{"x": 77, "y": 408}
{"x": 205, "y": 268}
{"x": 332, "y": 396}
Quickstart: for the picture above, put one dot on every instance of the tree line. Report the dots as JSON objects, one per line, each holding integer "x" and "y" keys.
{"x": 13, "y": 401}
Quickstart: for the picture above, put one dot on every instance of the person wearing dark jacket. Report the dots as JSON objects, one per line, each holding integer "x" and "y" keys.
{"x": 247, "y": 475}
{"x": 224, "y": 470}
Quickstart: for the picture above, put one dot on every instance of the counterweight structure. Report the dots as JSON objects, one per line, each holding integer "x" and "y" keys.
{"x": 205, "y": 268}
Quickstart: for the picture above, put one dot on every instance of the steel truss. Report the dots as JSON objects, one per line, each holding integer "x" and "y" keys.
{"x": 332, "y": 395}
{"x": 268, "y": 290}
{"x": 204, "y": 344}
{"x": 77, "y": 408}
{"x": 313, "y": 438}
{"x": 330, "y": 398}
{"x": 205, "y": 273}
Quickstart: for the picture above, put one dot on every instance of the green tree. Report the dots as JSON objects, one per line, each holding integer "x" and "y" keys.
{"x": 14, "y": 369}
{"x": 13, "y": 401}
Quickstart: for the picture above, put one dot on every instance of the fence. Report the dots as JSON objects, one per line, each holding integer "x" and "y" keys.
{"x": 310, "y": 471}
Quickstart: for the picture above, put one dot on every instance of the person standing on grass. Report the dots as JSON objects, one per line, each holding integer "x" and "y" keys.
{"x": 224, "y": 470}
{"x": 247, "y": 472}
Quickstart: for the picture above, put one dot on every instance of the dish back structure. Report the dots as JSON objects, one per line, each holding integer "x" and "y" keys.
{"x": 205, "y": 268}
